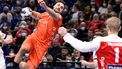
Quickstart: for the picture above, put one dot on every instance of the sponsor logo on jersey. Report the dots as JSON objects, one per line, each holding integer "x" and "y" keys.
{"x": 114, "y": 66}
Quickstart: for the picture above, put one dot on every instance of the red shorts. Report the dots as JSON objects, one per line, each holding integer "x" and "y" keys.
{"x": 36, "y": 52}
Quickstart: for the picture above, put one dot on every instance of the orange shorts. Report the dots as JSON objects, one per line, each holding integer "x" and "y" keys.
{"x": 36, "y": 52}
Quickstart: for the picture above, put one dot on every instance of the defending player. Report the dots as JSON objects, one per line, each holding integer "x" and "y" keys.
{"x": 37, "y": 43}
{"x": 108, "y": 49}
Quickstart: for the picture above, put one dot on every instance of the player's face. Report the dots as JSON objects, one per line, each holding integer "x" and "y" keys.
{"x": 58, "y": 7}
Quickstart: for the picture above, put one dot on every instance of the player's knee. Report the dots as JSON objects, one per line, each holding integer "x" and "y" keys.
{"x": 23, "y": 65}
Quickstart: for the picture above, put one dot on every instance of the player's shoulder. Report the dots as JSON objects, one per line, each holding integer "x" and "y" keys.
{"x": 100, "y": 38}
{"x": 59, "y": 15}
{"x": 109, "y": 38}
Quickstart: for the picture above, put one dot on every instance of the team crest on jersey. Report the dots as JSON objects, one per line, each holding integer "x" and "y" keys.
{"x": 102, "y": 62}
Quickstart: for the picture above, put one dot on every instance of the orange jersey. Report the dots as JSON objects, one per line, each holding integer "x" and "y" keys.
{"x": 40, "y": 40}
{"x": 46, "y": 28}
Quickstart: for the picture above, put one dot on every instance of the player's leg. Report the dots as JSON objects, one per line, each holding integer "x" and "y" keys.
{"x": 25, "y": 48}
{"x": 19, "y": 55}
{"x": 36, "y": 55}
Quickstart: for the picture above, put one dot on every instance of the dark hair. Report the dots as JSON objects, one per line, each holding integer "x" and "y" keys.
{"x": 60, "y": 1}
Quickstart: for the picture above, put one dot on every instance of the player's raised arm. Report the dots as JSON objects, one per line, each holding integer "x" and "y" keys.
{"x": 29, "y": 12}
{"x": 78, "y": 44}
{"x": 58, "y": 8}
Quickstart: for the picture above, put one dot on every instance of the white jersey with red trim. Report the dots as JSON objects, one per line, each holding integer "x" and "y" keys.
{"x": 108, "y": 49}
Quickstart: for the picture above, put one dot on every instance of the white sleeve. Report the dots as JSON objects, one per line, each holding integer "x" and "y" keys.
{"x": 80, "y": 45}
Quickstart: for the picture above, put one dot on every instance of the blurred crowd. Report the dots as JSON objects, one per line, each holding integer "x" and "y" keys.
{"x": 84, "y": 19}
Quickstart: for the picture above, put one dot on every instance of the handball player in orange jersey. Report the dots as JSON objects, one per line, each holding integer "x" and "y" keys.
{"x": 38, "y": 42}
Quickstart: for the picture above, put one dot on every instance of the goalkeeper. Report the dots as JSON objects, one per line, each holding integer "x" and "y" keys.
{"x": 37, "y": 43}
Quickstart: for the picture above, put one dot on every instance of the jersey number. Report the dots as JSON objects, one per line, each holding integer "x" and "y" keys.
{"x": 116, "y": 55}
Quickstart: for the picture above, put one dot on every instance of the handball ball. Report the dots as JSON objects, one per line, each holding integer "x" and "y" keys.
{"x": 25, "y": 12}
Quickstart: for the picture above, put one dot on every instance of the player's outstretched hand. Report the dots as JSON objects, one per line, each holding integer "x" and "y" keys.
{"x": 62, "y": 31}
{"x": 42, "y": 3}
